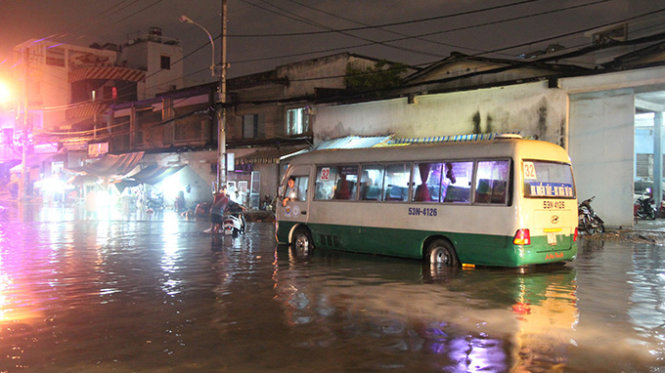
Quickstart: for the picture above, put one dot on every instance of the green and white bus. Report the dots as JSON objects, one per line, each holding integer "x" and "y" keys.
{"x": 504, "y": 202}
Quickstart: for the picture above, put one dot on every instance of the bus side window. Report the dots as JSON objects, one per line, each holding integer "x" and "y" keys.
{"x": 456, "y": 182}
{"x": 492, "y": 181}
{"x": 371, "y": 182}
{"x": 396, "y": 182}
{"x": 346, "y": 181}
{"x": 325, "y": 182}
{"x": 427, "y": 182}
{"x": 301, "y": 185}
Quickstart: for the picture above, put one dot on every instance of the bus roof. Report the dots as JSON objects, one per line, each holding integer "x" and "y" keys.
{"x": 497, "y": 148}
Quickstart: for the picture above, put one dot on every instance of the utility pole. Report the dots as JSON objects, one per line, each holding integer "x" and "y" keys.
{"x": 221, "y": 109}
{"x": 25, "y": 174}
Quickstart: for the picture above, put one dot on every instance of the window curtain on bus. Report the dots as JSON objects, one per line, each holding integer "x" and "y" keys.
{"x": 422, "y": 192}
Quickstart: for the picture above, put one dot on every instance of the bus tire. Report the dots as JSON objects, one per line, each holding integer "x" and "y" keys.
{"x": 302, "y": 244}
{"x": 440, "y": 252}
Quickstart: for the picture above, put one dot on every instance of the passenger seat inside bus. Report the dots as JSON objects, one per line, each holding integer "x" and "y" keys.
{"x": 371, "y": 193}
{"x": 396, "y": 193}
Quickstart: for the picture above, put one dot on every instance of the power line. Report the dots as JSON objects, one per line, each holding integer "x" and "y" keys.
{"x": 479, "y": 54}
{"x": 529, "y": 43}
{"x": 384, "y": 25}
{"x": 375, "y": 27}
{"x": 573, "y": 32}
{"x": 312, "y": 23}
{"x": 425, "y": 34}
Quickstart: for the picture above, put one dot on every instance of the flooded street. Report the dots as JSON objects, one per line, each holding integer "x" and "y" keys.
{"x": 153, "y": 293}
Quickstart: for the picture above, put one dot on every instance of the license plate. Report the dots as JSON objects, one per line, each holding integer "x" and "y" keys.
{"x": 551, "y": 238}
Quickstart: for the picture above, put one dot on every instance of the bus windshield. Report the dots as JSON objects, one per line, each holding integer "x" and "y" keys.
{"x": 548, "y": 179}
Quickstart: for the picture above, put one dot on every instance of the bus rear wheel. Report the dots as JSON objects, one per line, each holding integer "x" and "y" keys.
{"x": 302, "y": 244}
{"x": 440, "y": 252}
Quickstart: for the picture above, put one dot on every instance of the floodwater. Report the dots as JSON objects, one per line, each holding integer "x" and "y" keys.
{"x": 153, "y": 293}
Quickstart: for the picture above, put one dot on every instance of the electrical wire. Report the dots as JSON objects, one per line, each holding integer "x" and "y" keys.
{"x": 439, "y": 32}
{"x": 484, "y": 52}
{"x": 316, "y": 24}
{"x": 380, "y": 26}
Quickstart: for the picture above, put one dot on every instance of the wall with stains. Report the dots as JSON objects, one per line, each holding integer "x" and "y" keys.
{"x": 601, "y": 147}
{"x": 533, "y": 109}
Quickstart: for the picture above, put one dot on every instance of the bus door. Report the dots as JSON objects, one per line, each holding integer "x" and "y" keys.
{"x": 293, "y": 195}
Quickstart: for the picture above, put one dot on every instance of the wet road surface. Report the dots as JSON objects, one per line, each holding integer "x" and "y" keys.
{"x": 153, "y": 293}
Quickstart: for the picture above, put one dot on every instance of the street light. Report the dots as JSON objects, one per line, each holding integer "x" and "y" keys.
{"x": 184, "y": 19}
{"x": 221, "y": 93}
{"x": 5, "y": 93}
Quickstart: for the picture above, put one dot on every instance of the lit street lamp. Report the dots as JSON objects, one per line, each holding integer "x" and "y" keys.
{"x": 184, "y": 19}
{"x": 5, "y": 93}
{"x": 221, "y": 93}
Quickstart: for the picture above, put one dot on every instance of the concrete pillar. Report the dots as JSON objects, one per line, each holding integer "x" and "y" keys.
{"x": 132, "y": 127}
{"x": 657, "y": 157}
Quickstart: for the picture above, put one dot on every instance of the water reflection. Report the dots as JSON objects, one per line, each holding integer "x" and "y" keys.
{"x": 159, "y": 295}
{"x": 465, "y": 317}
{"x": 647, "y": 297}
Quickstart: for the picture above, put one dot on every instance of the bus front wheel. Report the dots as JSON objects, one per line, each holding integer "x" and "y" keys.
{"x": 440, "y": 252}
{"x": 302, "y": 242}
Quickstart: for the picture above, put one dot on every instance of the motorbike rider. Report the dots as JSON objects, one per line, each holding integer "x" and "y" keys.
{"x": 217, "y": 208}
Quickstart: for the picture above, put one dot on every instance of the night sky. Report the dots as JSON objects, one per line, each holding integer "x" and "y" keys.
{"x": 263, "y": 34}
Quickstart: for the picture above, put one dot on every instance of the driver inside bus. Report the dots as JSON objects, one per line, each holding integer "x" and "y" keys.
{"x": 291, "y": 192}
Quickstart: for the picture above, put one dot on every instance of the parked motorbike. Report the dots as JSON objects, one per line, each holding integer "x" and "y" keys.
{"x": 155, "y": 202}
{"x": 644, "y": 206}
{"x": 589, "y": 222}
{"x": 233, "y": 225}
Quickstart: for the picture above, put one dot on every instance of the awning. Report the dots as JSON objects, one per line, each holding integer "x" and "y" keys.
{"x": 352, "y": 142}
{"x": 154, "y": 174}
{"x": 83, "y": 180}
{"x": 149, "y": 175}
{"x": 5, "y": 166}
{"x": 107, "y": 73}
{"x": 440, "y": 139}
{"x": 268, "y": 156}
{"x": 112, "y": 166}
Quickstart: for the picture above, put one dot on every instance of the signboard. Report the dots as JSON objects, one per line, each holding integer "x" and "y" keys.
{"x": 98, "y": 149}
{"x": 230, "y": 162}
{"x": 49, "y": 147}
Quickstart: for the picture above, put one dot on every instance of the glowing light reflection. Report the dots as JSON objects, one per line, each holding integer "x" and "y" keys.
{"x": 171, "y": 257}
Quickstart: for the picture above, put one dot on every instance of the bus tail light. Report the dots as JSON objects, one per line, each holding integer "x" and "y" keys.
{"x": 522, "y": 237}
{"x": 575, "y": 235}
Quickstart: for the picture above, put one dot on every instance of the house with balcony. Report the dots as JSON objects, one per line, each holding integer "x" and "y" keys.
{"x": 66, "y": 91}
{"x": 269, "y": 115}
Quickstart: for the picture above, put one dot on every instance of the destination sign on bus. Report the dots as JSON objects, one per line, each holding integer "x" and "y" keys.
{"x": 541, "y": 189}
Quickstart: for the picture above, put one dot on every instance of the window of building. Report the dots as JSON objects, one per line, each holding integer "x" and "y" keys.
{"x": 55, "y": 57}
{"x": 7, "y": 136}
{"x": 165, "y": 63}
{"x": 492, "y": 182}
{"x": 252, "y": 126}
{"x": 297, "y": 121}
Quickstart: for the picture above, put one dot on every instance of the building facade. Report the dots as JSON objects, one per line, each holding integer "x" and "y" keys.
{"x": 590, "y": 112}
